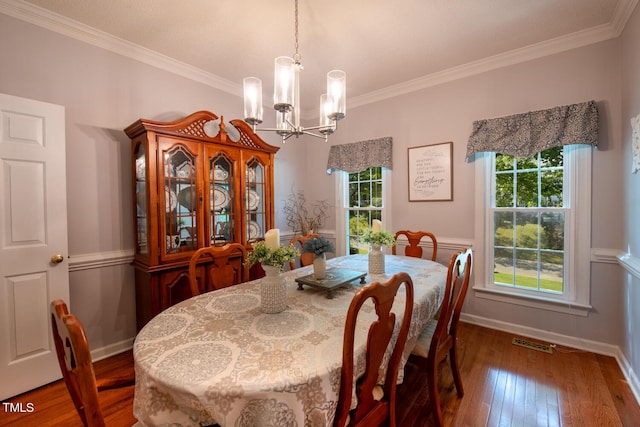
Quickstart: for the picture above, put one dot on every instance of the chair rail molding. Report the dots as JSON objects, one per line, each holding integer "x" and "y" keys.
{"x": 100, "y": 260}
{"x": 125, "y": 256}
{"x": 630, "y": 263}
{"x": 605, "y": 255}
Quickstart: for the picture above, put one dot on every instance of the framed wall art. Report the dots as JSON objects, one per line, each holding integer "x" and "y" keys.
{"x": 431, "y": 173}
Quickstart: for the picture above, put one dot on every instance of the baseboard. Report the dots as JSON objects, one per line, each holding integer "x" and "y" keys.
{"x": 111, "y": 349}
{"x": 629, "y": 374}
{"x": 565, "y": 340}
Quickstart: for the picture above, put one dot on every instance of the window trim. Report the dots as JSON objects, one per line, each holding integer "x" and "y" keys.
{"x": 341, "y": 198}
{"x": 578, "y": 275}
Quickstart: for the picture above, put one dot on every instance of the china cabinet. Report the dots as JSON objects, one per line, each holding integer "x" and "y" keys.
{"x": 197, "y": 182}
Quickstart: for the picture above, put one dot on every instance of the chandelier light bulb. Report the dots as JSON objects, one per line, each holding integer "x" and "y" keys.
{"x": 336, "y": 94}
{"x": 326, "y": 124}
{"x": 284, "y": 83}
{"x": 252, "y": 100}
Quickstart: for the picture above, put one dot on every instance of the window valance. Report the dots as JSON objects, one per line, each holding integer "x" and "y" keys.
{"x": 358, "y": 156}
{"x": 523, "y": 135}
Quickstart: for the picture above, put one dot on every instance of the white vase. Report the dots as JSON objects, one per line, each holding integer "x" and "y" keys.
{"x": 376, "y": 260}
{"x": 273, "y": 292}
{"x": 319, "y": 266}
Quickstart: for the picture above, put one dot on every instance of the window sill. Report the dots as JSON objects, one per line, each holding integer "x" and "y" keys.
{"x": 572, "y": 308}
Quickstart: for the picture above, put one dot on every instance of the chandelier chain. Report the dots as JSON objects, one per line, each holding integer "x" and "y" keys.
{"x": 296, "y": 56}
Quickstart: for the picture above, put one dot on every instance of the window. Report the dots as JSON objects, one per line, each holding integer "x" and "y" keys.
{"x": 535, "y": 217}
{"x": 529, "y": 219}
{"x": 361, "y": 199}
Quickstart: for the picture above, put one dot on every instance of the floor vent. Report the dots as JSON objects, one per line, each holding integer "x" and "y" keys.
{"x": 532, "y": 345}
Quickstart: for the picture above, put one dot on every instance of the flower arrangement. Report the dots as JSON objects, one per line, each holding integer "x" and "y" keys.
{"x": 378, "y": 238}
{"x": 318, "y": 246}
{"x": 275, "y": 258}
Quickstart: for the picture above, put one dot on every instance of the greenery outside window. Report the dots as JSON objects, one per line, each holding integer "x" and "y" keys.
{"x": 529, "y": 219}
{"x": 361, "y": 199}
{"x": 534, "y": 214}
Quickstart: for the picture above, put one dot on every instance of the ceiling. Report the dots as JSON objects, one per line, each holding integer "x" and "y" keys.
{"x": 386, "y": 47}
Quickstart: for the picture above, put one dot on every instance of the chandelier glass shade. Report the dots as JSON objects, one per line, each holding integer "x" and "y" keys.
{"x": 286, "y": 98}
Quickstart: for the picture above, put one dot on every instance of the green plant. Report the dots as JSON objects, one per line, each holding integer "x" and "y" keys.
{"x": 380, "y": 238}
{"x": 278, "y": 258}
{"x": 318, "y": 246}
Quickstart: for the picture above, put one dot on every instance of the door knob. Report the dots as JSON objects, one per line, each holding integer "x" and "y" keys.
{"x": 57, "y": 259}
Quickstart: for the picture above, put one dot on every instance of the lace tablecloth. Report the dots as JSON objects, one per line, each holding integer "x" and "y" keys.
{"x": 216, "y": 358}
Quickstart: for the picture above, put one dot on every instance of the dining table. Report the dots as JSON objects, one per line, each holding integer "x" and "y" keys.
{"x": 216, "y": 358}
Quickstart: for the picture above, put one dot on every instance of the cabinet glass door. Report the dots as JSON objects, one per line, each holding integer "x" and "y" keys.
{"x": 255, "y": 207}
{"x": 180, "y": 200}
{"x": 222, "y": 197}
{"x": 142, "y": 246}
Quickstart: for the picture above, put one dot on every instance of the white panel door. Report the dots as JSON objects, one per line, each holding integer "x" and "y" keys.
{"x": 33, "y": 230}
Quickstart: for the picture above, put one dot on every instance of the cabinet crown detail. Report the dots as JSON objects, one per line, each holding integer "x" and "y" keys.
{"x": 207, "y": 127}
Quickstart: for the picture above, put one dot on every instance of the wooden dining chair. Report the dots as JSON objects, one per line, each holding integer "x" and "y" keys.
{"x": 375, "y": 403}
{"x": 439, "y": 337}
{"x": 306, "y": 258}
{"x": 76, "y": 365}
{"x": 227, "y": 267}
{"x": 414, "y": 238}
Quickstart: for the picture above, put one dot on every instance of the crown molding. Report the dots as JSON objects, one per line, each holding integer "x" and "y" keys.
{"x": 60, "y": 24}
{"x": 621, "y": 14}
{"x": 516, "y": 56}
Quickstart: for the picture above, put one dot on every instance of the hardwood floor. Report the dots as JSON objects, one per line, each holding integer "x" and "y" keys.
{"x": 509, "y": 385}
{"x": 505, "y": 385}
{"x": 53, "y": 406}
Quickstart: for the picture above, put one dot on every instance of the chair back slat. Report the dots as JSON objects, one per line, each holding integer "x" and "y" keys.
{"x": 369, "y": 410}
{"x": 458, "y": 276}
{"x": 74, "y": 358}
{"x": 226, "y": 266}
{"x": 413, "y": 249}
{"x": 439, "y": 338}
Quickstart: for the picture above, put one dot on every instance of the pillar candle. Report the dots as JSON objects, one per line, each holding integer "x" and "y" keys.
{"x": 272, "y": 239}
{"x": 376, "y": 225}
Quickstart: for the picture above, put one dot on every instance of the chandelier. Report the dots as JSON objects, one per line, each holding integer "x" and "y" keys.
{"x": 286, "y": 98}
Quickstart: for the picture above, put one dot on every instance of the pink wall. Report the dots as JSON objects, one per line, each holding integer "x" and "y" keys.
{"x": 631, "y": 187}
{"x": 104, "y": 92}
{"x": 446, "y": 112}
